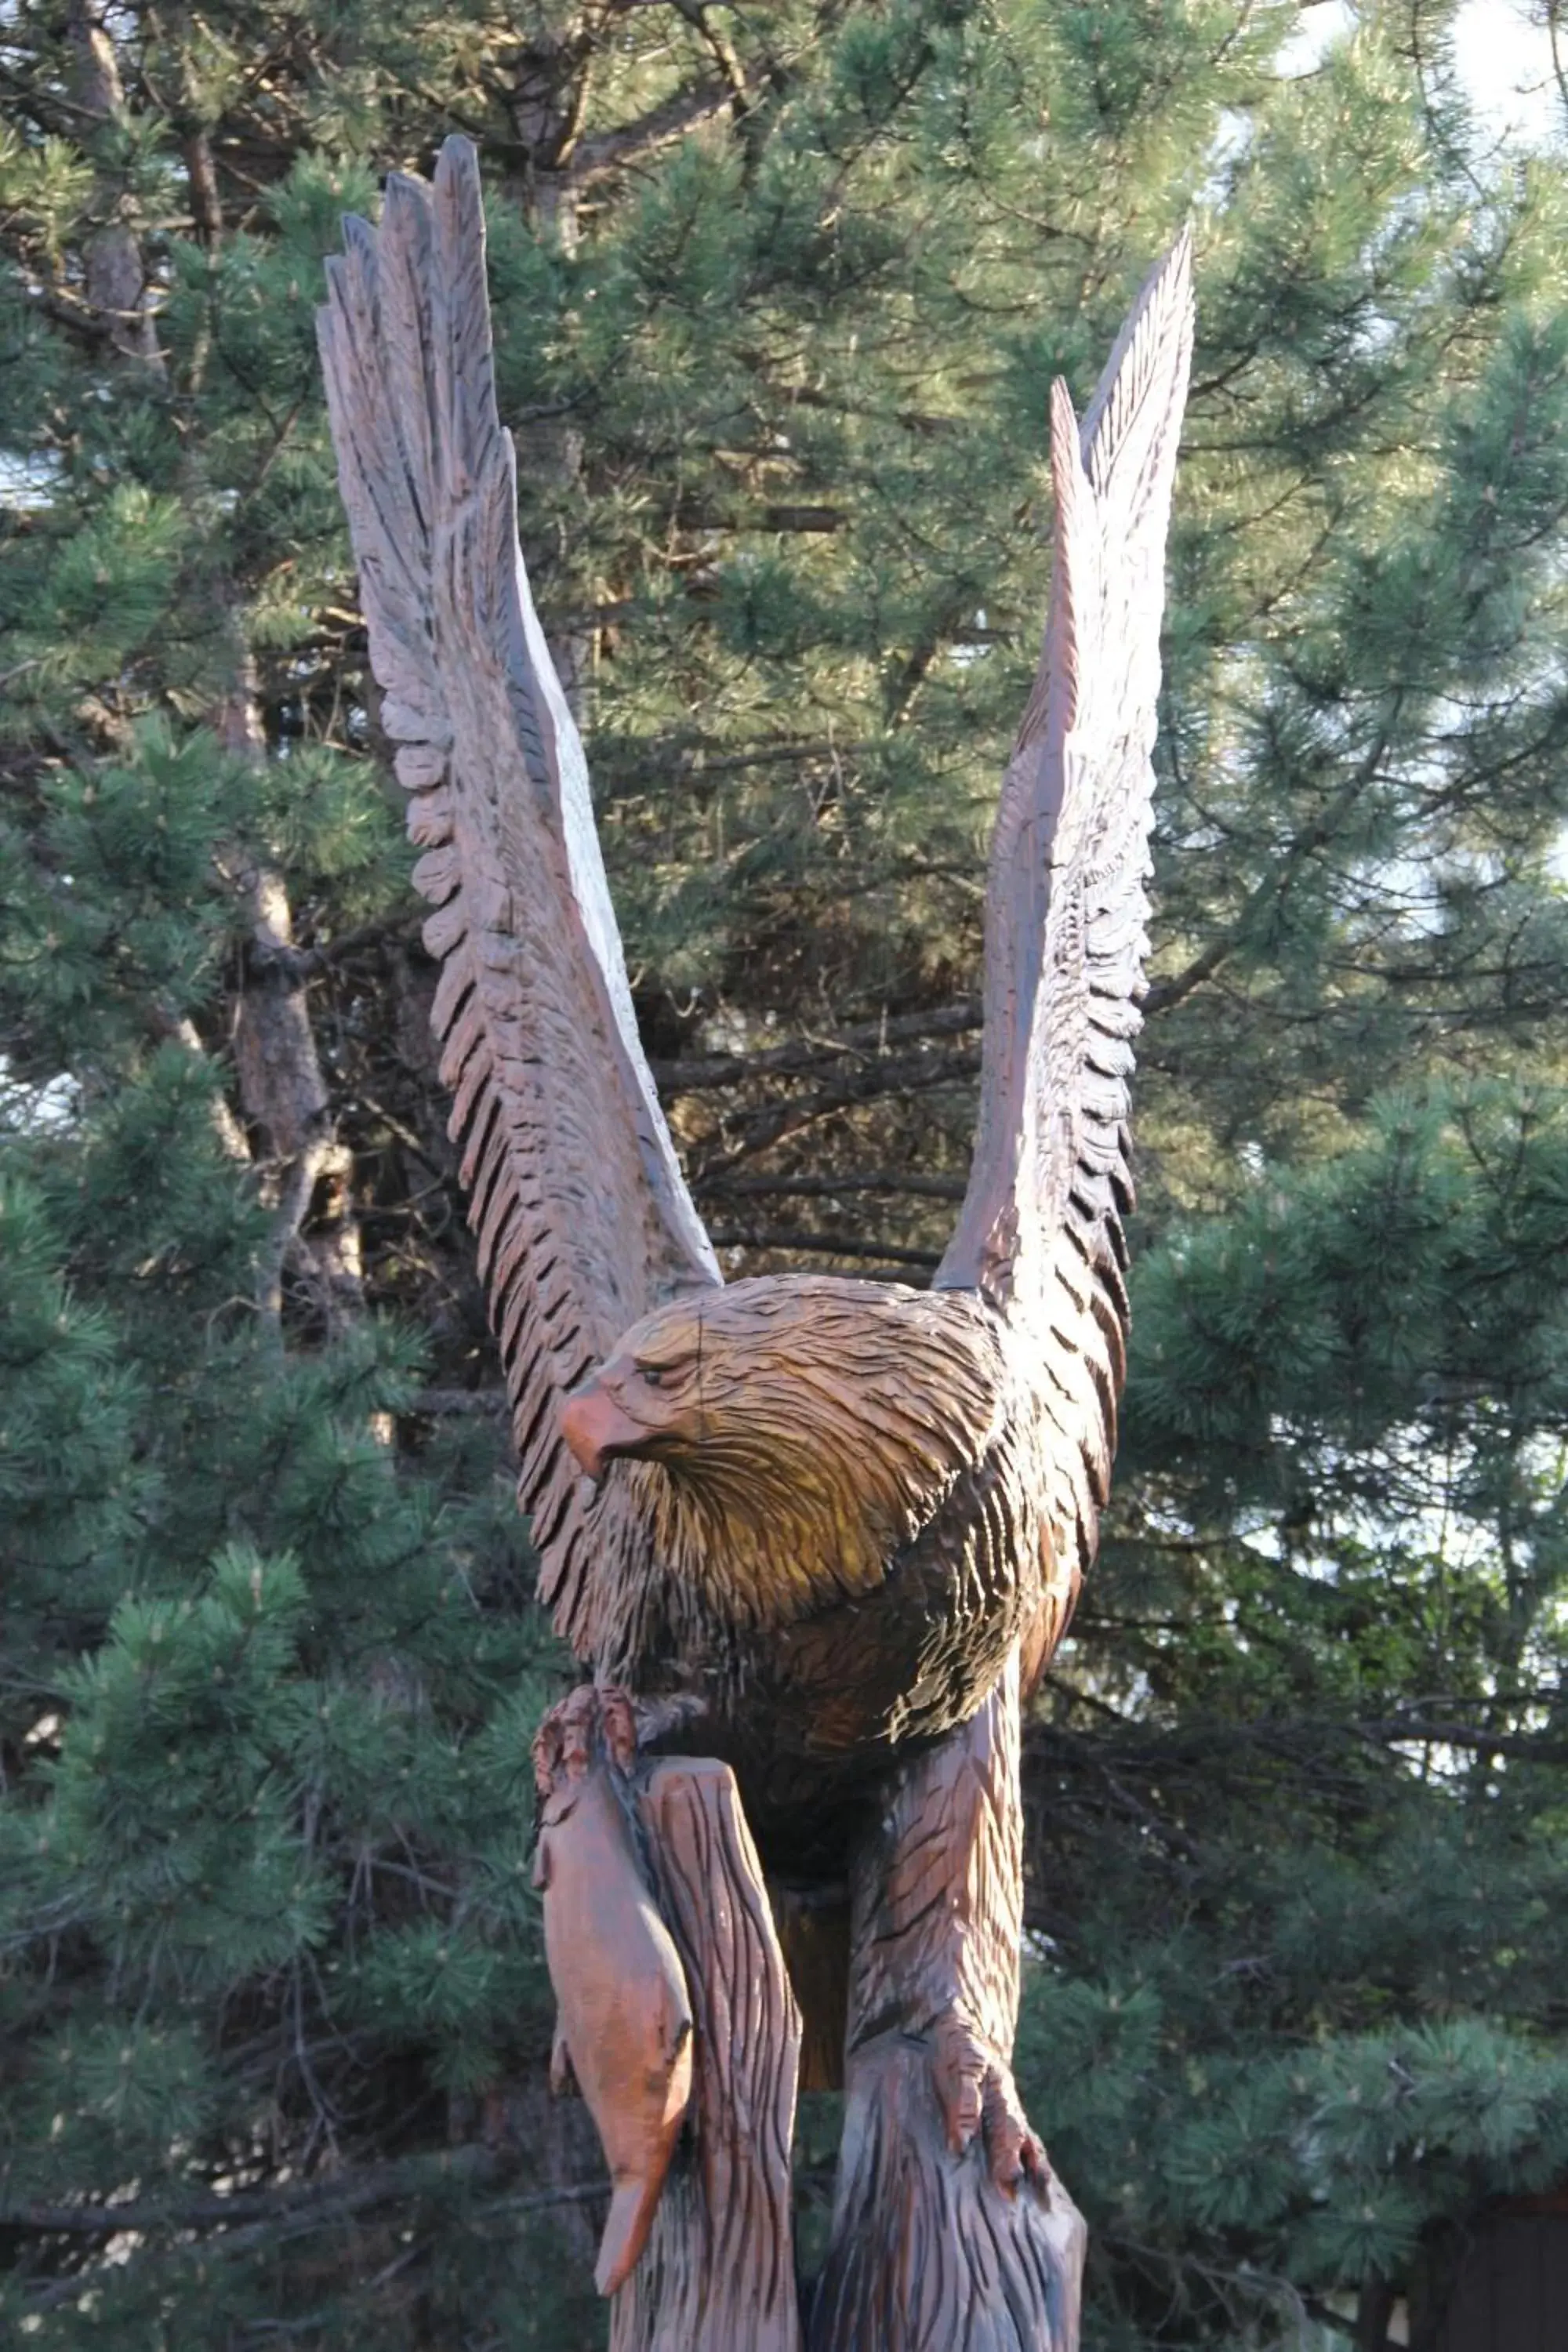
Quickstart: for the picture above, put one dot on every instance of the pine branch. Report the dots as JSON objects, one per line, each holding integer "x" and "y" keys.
{"x": 719, "y": 46}
{"x": 907, "y": 1073}
{"x": 441, "y": 1403}
{"x": 1314, "y": 2305}
{"x": 1518, "y": 1747}
{"x": 887, "y": 1180}
{"x": 700, "y": 514}
{"x": 1143, "y": 1747}
{"x": 604, "y": 152}
{"x": 252, "y": 2216}
{"x": 303, "y": 963}
{"x": 700, "y": 763}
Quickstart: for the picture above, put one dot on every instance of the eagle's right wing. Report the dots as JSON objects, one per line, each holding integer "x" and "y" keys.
{"x": 583, "y": 1217}
{"x": 1040, "y": 1228}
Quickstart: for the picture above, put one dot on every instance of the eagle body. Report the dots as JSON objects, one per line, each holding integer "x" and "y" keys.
{"x": 844, "y": 1482}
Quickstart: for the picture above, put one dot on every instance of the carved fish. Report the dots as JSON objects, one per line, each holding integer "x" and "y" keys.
{"x": 624, "y": 2012}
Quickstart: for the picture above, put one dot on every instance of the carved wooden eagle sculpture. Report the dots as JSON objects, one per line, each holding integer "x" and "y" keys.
{"x": 827, "y": 1510}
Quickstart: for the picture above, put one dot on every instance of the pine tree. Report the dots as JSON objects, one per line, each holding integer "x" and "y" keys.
{"x": 779, "y": 295}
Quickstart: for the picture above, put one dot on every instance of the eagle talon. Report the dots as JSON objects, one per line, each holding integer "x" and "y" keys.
{"x": 593, "y": 1721}
{"x": 976, "y": 2092}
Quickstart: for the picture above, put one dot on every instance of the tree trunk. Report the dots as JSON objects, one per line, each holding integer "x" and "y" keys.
{"x": 281, "y": 1085}
{"x": 115, "y": 273}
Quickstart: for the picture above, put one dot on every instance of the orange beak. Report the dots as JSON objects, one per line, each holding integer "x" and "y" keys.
{"x": 596, "y": 1429}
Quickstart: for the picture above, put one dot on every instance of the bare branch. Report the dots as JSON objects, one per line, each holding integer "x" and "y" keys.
{"x": 315, "y": 2201}
{"x": 821, "y": 1245}
{"x": 887, "y": 1075}
{"x": 887, "y": 1180}
{"x": 604, "y": 152}
{"x": 802, "y": 1055}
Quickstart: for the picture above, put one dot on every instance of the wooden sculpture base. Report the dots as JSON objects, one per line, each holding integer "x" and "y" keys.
{"x": 928, "y": 2254}
{"x": 718, "y": 2271}
{"x": 950, "y": 2230}
{"x": 677, "y": 2021}
{"x": 937, "y": 2245}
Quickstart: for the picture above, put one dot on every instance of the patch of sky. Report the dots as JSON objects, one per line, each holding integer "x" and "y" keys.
{"x": 1227, "y": 150}
{"x": 1420, "y": 1507}
{"x": 52, "y": 1108}
{"x": 965, "y": 650}
{"x": 27, "y": 479}
{"x": 1503, "y": 56}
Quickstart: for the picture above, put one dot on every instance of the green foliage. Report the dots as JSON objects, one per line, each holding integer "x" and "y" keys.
{"x": 776, "y": 358}
{"x": 269, "y": 1700}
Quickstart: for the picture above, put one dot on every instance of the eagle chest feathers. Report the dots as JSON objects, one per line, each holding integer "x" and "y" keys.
{"x": 837, "y": 1481}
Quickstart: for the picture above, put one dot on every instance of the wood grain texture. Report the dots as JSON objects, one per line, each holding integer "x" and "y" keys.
{"x": 950, "y": 2228}
{"x": 719, "y": 2269}
{"x": 1041, "y": 1227}
{"x": 581, "y": 1216}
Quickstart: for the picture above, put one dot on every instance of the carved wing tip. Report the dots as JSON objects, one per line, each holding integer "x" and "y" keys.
{"x": 457, "y": 164}
{"x": 326, "y": 312}
{"x": 1171, "y": 290}
{"x": 1167, "y": 290}
{"x": 1039, "y": 1233}
{"x": 339, "y": 269}
{"x": 1178, "y": 263}
{"x": 1149, "y": 357}
{"x": 403, "y": 195}
{"x": 359, "y": 236}
{"x": 456, "y": 193}
{"x": 1064, "y": 415}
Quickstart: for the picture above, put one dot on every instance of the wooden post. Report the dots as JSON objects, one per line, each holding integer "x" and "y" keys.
{"x": 937, "y": 2246}
{"x": 677, "y": 2016}
{"x": 719, "y": 2269}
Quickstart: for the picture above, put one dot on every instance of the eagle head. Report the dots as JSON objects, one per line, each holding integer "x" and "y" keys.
{"x": 808, "y": 1424}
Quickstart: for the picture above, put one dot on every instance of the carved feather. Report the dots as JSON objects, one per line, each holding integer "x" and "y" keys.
{"x": 583, "y": 1218}
{"x": 1041, "y": 1227}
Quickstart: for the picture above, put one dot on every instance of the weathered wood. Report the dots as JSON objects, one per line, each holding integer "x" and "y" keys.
{"x": 624, "y": 2026}
{"x": 582, "y": 1215}
{"x": 718, "y": 2271}
{"x": 950, "y": 2228}
{"x": 1041, "y": 1228}
{"x": 678, "y": 2024}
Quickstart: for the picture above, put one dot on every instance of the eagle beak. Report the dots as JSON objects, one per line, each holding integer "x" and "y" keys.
{"x": 596, "y": 1429}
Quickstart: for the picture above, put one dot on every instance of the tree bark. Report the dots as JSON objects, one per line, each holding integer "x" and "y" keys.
{"x": 281, "y": 1085}
{"x": 116, "y": 275}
